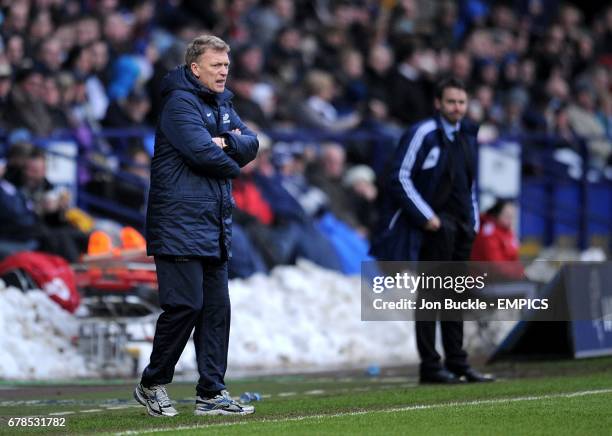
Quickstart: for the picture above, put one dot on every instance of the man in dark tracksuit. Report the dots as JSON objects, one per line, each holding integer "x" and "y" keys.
{"x": 200, "y": 144}
{"x": 432, "y": 215}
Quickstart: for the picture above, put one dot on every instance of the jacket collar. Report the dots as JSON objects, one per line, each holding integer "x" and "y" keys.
{"x": 449, "y": 129}
{"x": 465, "y": 125}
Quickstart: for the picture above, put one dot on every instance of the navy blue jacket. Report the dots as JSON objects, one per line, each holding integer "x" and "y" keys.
{"x": 18, "y": 221}
{"x": 190, "y": 201}
{"x": 418, "y": 165}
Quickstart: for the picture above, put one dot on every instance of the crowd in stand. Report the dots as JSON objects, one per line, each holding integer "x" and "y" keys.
{"x": 536, "y": 69}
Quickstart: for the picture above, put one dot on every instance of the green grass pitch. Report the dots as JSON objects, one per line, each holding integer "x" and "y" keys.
{"x": 553, "y": 398}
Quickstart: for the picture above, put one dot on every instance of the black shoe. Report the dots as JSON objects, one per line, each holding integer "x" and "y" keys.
{"x": 473, "y": 376}
{"x": 441, "y": 376}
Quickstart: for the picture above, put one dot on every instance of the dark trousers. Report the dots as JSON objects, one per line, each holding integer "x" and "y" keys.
{"x": 193, "y": 294}
{"x": 452, "y": 242}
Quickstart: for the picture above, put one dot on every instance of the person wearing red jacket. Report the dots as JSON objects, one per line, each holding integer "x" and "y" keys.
{"x": 249, "y": 198}
{"x": 497, "y": 243}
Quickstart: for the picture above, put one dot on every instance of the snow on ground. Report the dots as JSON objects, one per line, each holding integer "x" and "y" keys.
{"x": 297, "y": 318}
{"x": 35, "y": 343}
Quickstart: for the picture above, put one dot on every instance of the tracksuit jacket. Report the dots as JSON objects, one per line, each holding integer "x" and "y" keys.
{"x": 414, "y": 180}
{"x": 190, "y": 202}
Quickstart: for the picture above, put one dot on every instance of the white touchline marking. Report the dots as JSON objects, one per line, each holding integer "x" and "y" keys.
{"x": 127, "y": 406}
{"x": 391, "y": 379}
{"x": 315, "y": 392}
{"x": 287, "y": 394}
{"x": 366, "y": 412}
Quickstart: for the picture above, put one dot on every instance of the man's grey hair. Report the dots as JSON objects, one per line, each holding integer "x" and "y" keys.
{"x": 202, "y": 43}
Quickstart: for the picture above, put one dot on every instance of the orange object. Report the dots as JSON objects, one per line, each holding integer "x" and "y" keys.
{"x": 131, "y": 239}
{"x": 99, "y": 243}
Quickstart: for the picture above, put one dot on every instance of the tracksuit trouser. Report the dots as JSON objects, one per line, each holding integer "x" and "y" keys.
{"x": 194, "y": 297}
{"x": 452, "y": 242}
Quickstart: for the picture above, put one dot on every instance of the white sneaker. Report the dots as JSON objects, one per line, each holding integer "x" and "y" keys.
{"x": 221, "y": 404}
{"x": 155, "y": 399}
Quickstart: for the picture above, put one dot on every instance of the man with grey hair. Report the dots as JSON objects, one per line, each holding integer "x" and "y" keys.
{"x": 200, "y": 144}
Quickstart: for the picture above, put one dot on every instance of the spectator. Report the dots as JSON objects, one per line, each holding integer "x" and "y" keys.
{"x": 53, "y": 102}
{"x": 327, "y": 174}
{"x": 351, "y": 77}
{"x": 378, "y": 70}
{"x": 95, "y": 82}
{"x": 15, "y": 50}
{"x": 17, "y": 18}
{"x": 514, "y": 105}
{"x": 564, "y": 136}
{"x": 496, "y": 242}
{"x": 25, "y": 107}
{"x": 5, "y": 89}
{"x": 331, "y": 41}
{"x": 482, "y": 105}
{"x": 144, "y": 14}
{"x": 243, "y": 87}
{"x": 584, "y": 121}
{"x": 404, "y": 19}
{"x": 41, "y": 27}
{"x": 66, "y": 35}
{"x": 17, "y": 218}
{"x": 360, "y": 183}
{"x": 87, "y": 30}
{"x": 286, "y": 60}
{"x": 131, "y": 184}
{"x": 461, "y": 66}
{"x": 124, "y": 77}
{"x": 445, "y": 24}
{"x": 250, "y": 64}
{"x": 117, "y": 32}
{"x": 605, "y": 116}
{"x": 266, "y": 20}
{"x": 290, "y": 162}
{"x": 50, "y": 55}
{"x": 54, "y": 233}
{"x": 317, "y": 110}
{"x": 100, "y": 57}
{"x": 409, "y": 85}
{"x": 130, "y": 112}
{"x": 67, "y": 88}
{"x": 17, "y": 155}
{"x": 48, "y": 202}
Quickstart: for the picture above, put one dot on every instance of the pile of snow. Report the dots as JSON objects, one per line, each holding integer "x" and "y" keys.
{"x": 35, "y": 342}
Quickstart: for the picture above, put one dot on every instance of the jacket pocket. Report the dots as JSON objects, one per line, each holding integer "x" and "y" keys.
{"x": 189, "y": 214}
{"x": 195, "y": 197}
